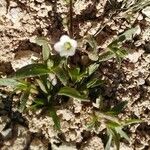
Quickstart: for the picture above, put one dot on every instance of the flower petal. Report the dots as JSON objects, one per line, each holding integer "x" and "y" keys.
{"x": 64, "y": 38}
{"x": 73, "y": 43}
{"x": 71, "y": 52}
{"x": 65, "y": 53}
{"x": 58, "y": 46}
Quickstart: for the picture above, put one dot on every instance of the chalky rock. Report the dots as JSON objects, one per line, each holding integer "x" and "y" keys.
{"x": 146, "y": 11}
{"x": 3, "y": 7}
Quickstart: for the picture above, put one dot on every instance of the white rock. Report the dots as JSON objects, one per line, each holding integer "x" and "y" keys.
{"x": 146, "y": 11}
{"x": 24, "y": 58}
{"x": 63, "y": 147}
{"x": 6, "y": 133}
{"x": 3, "y": 7}
{"x": 134, "y": 56}
{"x": 15, "y": 15}
{"x": 94, "y": 143}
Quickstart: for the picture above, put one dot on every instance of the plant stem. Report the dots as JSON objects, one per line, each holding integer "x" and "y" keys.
{"x": 71, "y": 19}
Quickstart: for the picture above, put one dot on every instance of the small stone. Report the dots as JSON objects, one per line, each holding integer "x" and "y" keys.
{"x": 140, "y": 17}
{"x": 15, "y": 15}
{"x": 37, "y": 145}
{"x": 7, "y": 133}
{"x": 134, "y": 56}
{"x": 146, "y": 11}
{"x": 40, "y": 1}
{"x": 94, "y": 143}
{"x": 23, "y": 58}
{"x": 3, "y": 7}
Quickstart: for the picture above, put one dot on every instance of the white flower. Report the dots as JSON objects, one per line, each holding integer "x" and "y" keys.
{"x": 66, "y": 46}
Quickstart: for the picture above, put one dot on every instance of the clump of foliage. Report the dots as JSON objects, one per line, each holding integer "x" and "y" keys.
{"x": 65, "y": 73}
{"x": 57, "y": 78}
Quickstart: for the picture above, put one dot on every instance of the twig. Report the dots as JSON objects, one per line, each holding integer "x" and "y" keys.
{"x": 71, "y": 19}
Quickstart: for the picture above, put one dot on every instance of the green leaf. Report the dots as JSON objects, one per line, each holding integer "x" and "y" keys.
{"x": 74, "y": 73}
{"x": 112, "y": 124}
{"x": 55, "y": 118}
{"x": 41, "y": 85}
{"x": 106, "y": 56}
{"x": 92, "y": 68}
{"x": 39, "y": 101}
{"x": 122, "y": 133}
{"x": 46, "y": 48}
{"x": 129, "y": 34}
{"x": 93, "y": 56}
{"x": 9, "y": 82}
{"x": 73, "y": 93}
{"x": 23, "y": 100}
{"x": 94, "y": 83}
{"x": 107, "y": 147}
{"x": 94, "y": 123}
{"x": 31, "y": 70}
{"x": 116, "y": 138}
{"x": 61, "y": 74}
{"x": 131, "y": 121}
{"x": 92, "y": 52}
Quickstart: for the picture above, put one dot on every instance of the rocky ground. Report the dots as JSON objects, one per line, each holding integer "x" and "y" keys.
{"x": 22, "y": 20}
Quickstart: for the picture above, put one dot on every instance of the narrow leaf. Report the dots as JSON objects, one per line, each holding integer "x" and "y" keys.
{"x": 46, "y": 48}
{"x": 9, "y": 82}
{"x": 55, "y": 118}
{"x": 41, "y": 85}
{"x": 31, "y": 71}
{"x": 107, "y": 147}
{"x": 23, "y": 100}
{"x": 122, "y": 133}
{"x": 94, "y": 83}
{"x": 73, "y": 93}
{"x": 61, "y": 74}
{"x": 106, "y": 56}
{"x": 92, "y": 68}
{"x": 132, "y": 121}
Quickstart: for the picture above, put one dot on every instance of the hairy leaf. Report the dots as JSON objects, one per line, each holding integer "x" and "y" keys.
{"x": 31, "y": 70}
{"x": 131, "y": 121}
{"x": 73, "y": 93}
{"x": 23, "y": 99}
{"x": 61, "y": 74}
{"x": 9, "y": 82}
{"x": 55, "y": 118}
{"x": 122, "y": 133}
{"x": 107, "y": 147}
{"x": 41, "y": 85}
{"x": 46, "y": 48}
{"x": 94, "y": 83}
{"x": 106, "y": 56}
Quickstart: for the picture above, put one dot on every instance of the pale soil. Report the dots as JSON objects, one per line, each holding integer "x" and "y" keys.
{"x": 22, "y": 20}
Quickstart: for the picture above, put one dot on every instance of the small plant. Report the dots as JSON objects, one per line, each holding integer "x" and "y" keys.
{"x": 114, "y": 126}
{"x": 63, "y": 75}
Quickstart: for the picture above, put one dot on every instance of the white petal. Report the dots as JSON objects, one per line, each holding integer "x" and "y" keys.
{"x": 64, "y": 53}
{"x": 73, "y": 43}
{"x": 64, "y": 38}
{"x": 71, "y": 52}
{"x": 67, "y": 53}
{"x": 58, "y": 46}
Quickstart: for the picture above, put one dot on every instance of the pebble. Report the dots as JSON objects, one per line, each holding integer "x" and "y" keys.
{"x": 7, "y": 133}
{"x": 146, "y": 11}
